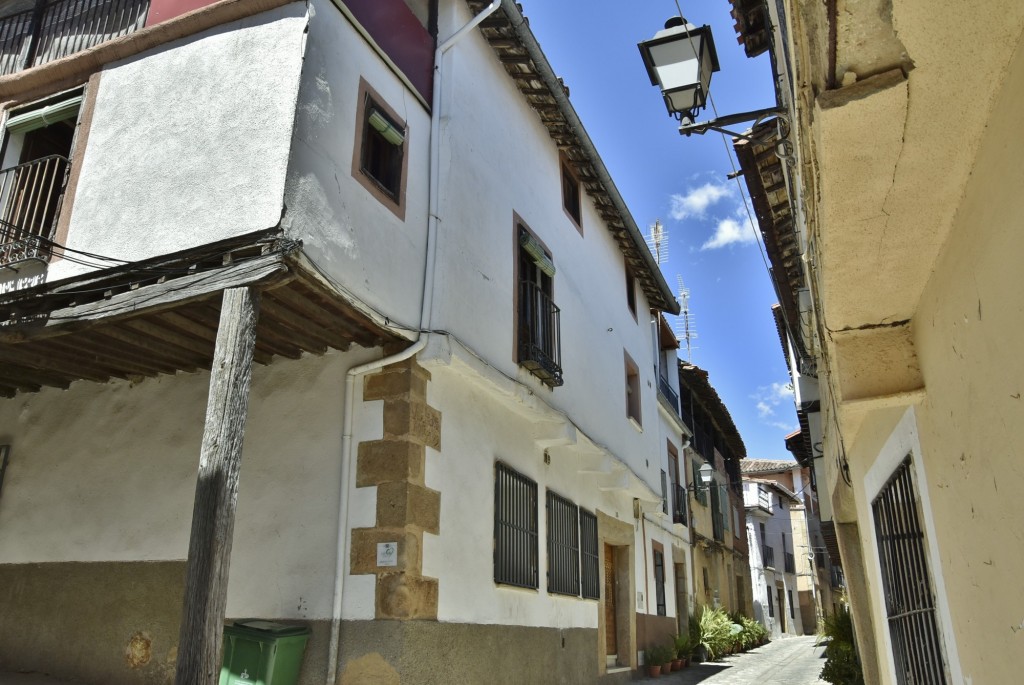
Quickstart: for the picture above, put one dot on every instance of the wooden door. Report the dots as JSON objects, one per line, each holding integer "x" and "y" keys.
{"x": 610, "y": 626}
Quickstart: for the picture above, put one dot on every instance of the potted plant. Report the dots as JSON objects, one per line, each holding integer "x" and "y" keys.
{"x": 656, "y": 658}
{"x": 683, "y": 648}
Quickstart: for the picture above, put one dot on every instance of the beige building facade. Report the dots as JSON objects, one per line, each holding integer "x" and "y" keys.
{"x": 901, "y": 155}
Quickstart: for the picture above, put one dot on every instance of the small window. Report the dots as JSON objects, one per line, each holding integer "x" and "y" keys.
{"x": 538, "y": 345}
{"x": 707, "y": 582}
{"x": 38, "y": 143}
{"x": 632, "y": 390}
{"x": 771, "y": 605}
{"x": 664, "y": 492}
{"x": 380, "y": 161}
{"x": 659, "y": 581}
{"x": 515, "y": 528}
{"x": 563, "y": 546}
{"x": 631, "y": 291}
{"x": 789, "y": 598}
{"x": 571, "y": 195}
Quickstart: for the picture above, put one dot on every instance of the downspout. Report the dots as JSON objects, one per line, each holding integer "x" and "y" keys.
{"x": 422, "y": 336}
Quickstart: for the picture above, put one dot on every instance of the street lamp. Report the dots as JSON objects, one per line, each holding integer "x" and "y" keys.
{"x": 680, "y": 60}
{"x": 706, "y": 473}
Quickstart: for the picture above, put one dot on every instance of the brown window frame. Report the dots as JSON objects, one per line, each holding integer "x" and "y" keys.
{"x": 369, "y": 100}
{"x": 572, "y": 192}
{"x": 634, "y": 407}
{"x": 631, "y": 292}
{"x": 528, "y": 277}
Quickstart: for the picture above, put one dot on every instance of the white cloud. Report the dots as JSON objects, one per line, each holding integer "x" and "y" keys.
{"x": 729, "y": 232}
{"x": 768, "y": 397}
{"x": 695, "y": 202}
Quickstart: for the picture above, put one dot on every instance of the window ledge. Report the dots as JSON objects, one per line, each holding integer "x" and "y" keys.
{"x": 636, "y": 424}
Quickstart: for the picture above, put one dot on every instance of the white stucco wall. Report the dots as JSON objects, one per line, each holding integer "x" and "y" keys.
{"x": 189, "y": 141}
{"x": 107, "y": 472}
{"x": 346, "y": 231}
{"x": 498, "y": 159}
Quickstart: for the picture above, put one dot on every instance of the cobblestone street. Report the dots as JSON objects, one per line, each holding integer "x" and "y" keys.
{"x": 787, "y": 661}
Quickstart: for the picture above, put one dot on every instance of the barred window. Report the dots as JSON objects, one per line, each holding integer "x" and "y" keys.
{"x": 515, "y": 528}
{"x": 659, "y": 582}
{"x": 563, "y": 546}
{"x": 916, "y": 644}
{"x": 589, "y": 556}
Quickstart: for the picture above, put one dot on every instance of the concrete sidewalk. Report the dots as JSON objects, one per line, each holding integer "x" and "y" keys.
{"x": 784, "y": 661}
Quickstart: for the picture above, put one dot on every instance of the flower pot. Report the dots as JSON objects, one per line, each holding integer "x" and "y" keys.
{"x": 653, "y": 671}
{"x": 677, "y": 664}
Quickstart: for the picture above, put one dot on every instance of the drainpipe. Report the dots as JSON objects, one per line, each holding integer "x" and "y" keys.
{"x": 426, "y": 304}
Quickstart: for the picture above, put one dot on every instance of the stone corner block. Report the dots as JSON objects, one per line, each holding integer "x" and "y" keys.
{"x": 363, "y": 557}
{"x": 386, "y": 461}
{"x": 409, "y": 505}
{"x": 406, "y": 597}
{"x": 414, "y": 421}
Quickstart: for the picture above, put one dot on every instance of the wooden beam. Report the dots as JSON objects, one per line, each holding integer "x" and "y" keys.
{"x": 213, "y": 516}
{"x": 153, "y": 298}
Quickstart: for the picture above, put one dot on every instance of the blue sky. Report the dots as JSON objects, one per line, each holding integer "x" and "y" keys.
{"x": 683, "y": 182}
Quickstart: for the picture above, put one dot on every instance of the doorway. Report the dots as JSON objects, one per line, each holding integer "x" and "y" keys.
{"x": 610, "y": 624}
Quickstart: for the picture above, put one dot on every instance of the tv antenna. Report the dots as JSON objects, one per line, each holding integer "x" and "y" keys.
{"x": 657, "y": 241}
{"x": 685, "y": 321}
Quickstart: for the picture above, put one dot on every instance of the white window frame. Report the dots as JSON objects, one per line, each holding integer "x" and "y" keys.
{"x": 905, "y": 440}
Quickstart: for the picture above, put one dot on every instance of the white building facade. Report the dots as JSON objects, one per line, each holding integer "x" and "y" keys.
{"x": 461, "y": 429}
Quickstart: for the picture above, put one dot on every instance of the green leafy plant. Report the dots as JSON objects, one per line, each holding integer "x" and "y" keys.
{"x": 659, "y": 655}
{"x": 841, "y": 664}
{"x": 716, "y": 632}
{"x": 683, "y": 646}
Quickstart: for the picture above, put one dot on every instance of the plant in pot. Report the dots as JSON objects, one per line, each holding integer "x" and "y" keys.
{"x": 684, "y": 648}
{"x": 656, "y": 658}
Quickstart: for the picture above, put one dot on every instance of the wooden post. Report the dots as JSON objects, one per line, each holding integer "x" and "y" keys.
{"x": 213, "y": 516}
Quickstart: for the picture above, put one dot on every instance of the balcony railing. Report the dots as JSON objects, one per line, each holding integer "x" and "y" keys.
{"x": 790, "y": 563}
{"x": 768, "y": 556}
{"x": 679, "y": 504}
{"x": 668, "y": 393}
{"x": 539, "y": 345}
{"x": 30, "y": 196}
{"x": 57, "y": 28}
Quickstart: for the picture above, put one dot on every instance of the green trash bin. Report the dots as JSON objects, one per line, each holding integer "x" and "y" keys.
{"x": 262, "y": 653}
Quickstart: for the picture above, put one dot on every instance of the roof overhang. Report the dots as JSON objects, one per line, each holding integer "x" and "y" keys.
{"x": 161, "y": 316}
{"x": 508, "y": 33}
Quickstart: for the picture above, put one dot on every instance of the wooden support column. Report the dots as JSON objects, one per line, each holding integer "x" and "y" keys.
{"x": 213, "y": 516}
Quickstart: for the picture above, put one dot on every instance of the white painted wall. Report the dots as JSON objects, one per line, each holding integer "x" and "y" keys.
{"x": 348, "y": 233}
{"x": 779, "y": 522}
{"x": 497, "y": 158}
{"x": 189, "y": 141}
{"x": 107, "y": 472}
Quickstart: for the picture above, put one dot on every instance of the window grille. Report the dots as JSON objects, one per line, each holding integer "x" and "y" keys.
{"x": 563, "y": 546}
{"x": 515, "y": 528}
{"x": 590, "y": 557}
{"x": 910, "y": 604}
{"x": 659, "y": 582}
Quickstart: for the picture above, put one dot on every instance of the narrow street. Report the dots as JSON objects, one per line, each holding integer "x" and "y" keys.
{"x": 787, "y": 661}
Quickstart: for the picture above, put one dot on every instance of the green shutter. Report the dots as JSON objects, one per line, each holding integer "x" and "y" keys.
{"x": 536, "y": 251}
{"x": 44, "y": 116}
{"x": 388, "y": 130}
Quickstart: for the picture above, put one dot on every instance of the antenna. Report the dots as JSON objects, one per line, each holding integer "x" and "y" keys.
{"x": 657, "y": 241}
{"x": 685, "y": 322}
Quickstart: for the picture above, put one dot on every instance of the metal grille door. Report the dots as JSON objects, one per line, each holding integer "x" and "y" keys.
{"x": 910, "y": 604}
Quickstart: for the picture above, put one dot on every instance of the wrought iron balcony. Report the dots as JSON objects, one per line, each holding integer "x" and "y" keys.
{"x": 768, "y": 556}
{"x": 30, "y": 196}
{"x": 669, "y": 394}
{"x": 678, "y": 504}
{"x": 36, "y": 33}
{"x": 539, "y": 344}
